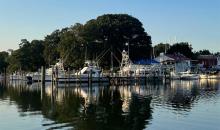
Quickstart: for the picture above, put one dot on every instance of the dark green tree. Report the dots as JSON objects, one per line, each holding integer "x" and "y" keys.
{"x": 21, "y": 59}
{"x": 161, "y": 48}
{"x": 29, "y": 56}
{"x": 37, "y": 54}
{"x": 204, "y": 52}
{"x": 51, "y": 42}
{"x": 183, "y": 48}
{"x": 3, "y": 61}
{"x": 72, "y": 46}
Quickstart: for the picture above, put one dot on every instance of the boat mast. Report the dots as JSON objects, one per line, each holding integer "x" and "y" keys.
{"x": 86, "y": 52}
{"x": 112, "y": 66}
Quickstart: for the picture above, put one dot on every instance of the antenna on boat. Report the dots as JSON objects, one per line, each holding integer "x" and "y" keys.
{"x": 165, "y": 48}
{"x": 112, "y": 66}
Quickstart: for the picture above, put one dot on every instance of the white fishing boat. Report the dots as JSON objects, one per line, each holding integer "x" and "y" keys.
{"x": 128, "y": 68}
{"x": 90, "y": 72}
{"x": 55, "y": 71}
{"x": 187, "y": 75}
{"x": 90, "y": 67}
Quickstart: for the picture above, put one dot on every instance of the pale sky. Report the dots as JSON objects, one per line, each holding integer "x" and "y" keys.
{"x": 194, "y": 21}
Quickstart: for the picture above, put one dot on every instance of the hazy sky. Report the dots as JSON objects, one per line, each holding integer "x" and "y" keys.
{"x": 195, "y": 21}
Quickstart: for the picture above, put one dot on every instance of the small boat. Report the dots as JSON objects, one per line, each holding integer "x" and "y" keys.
{"x": 210, "y": 75}
{"x": 184, "y": 76}
{"x": 203, "y": 76}
{"x": 189, "y": 76}
{"x": 17, "y": 76}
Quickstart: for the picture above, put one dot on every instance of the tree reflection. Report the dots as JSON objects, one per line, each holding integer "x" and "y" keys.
{"x": 107, "y": 107}
{"x": 105, "y": 113}
{"x": 80, "y": 109}
{"x": 25, "y": 99}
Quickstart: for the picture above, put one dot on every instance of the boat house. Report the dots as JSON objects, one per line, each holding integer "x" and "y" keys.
{"x": 177, "y": 61}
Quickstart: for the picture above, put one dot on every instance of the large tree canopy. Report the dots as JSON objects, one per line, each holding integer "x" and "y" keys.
{"x": 71, "y": 46}
{"x": 114, "y": 31}
{"x": 29, "y": 57}
{"x": 51, "y": 43}
{"x": 107, "y": 33}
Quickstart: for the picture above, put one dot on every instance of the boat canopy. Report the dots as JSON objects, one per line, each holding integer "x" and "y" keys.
{"x": 146, "y": 62}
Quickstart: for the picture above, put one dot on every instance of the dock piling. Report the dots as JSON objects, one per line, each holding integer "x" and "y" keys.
{"x": 43, "y": 75}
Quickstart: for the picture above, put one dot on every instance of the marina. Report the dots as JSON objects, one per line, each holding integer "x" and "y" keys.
{"x": 162, "y": 68}
{"x": 109, "y": 65}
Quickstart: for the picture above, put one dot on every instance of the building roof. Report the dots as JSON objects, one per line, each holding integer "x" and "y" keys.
{"x": 162, "y": 58}
{"x": 146, "y": 62}
{"x": 178, "y": 57}
{"x": 207, "y": 57}
{"x": 171, "y": 57}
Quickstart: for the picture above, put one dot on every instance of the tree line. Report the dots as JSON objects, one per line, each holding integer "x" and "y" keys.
{"x": 94, "y": 40}
{"x": 183, "y": 48}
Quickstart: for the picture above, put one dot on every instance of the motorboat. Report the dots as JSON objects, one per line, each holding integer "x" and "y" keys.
{"x": 188, "y": 75}
{"x": 184, "y": 76}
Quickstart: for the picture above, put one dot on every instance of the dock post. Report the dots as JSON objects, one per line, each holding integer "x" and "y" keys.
{"x": 65, "y": 78}
{"x": 90, "y": 77}
{"x": 80, "y": 77}
{"x": 99, "y": 79}
{"x": 57, "y": 75}
{"x": 52, "y": 77}
{"x": 145, "y": 78}
{"x": 42, "y": 80}
{"x": 77, "y": 76}
{"x": 68, "y": 77}
{"x": 43, "y": 75}
{"x": 135, "y": 76}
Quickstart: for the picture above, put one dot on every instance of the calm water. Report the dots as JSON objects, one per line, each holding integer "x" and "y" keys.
{"x": 182, "y": 105}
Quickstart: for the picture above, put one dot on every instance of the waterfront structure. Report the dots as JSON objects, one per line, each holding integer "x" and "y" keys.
{"x": 177, "y": 65}
{"x": 177, "y": 62}
{"x": 141, "y": 68}
{"x": 208, "y": 61}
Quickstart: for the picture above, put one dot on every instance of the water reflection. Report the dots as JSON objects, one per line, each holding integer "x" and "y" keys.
{"x": 103, "y": 106}
{"x": 97, "y": 107}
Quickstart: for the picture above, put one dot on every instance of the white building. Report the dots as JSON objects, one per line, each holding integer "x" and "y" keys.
{"x": 179, "y": 62}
